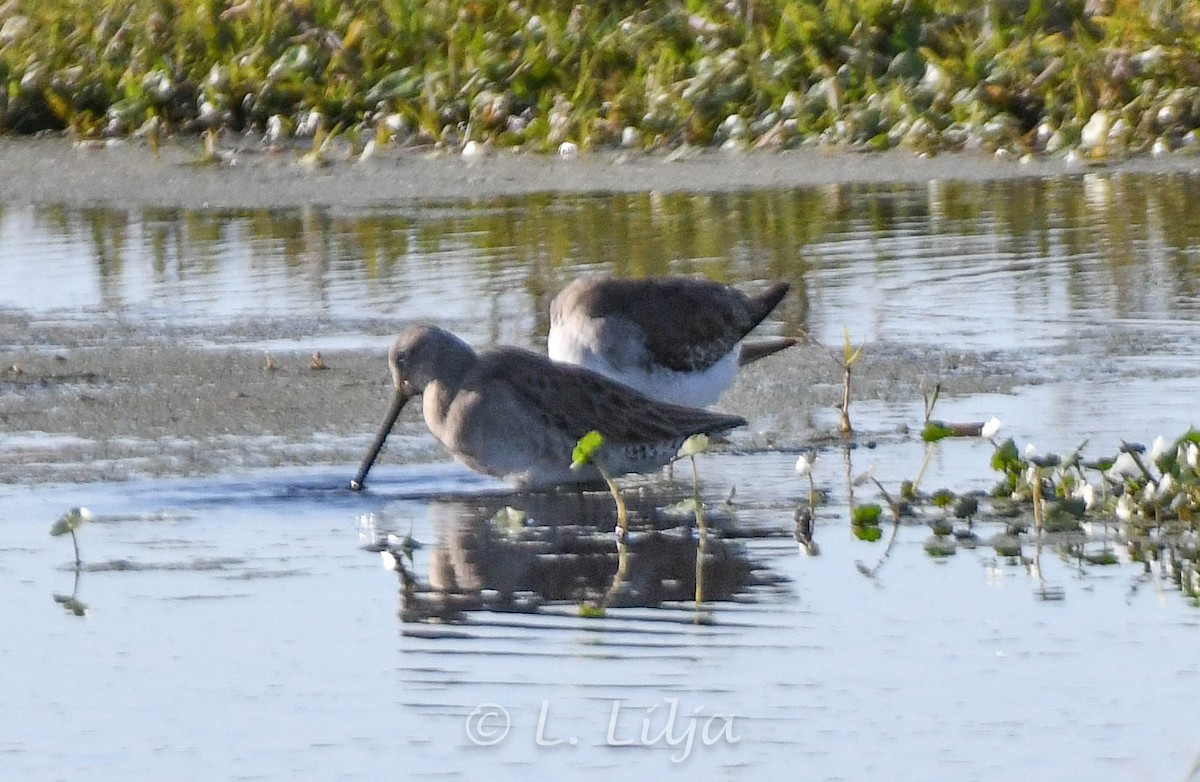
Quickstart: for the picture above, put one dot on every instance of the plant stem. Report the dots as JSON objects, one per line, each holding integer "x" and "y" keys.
{"x": 849, "y": 480}
{"x": 75, "y": 542}
{"x": 622, "y": 537}
{"x": 1037, "y": 499}
{"x": 622, "y": 514}
{"x": 844, "y": 427}
{"x": 619, "y": 576}
{"x": 929, "y": 449}
{"x": 702, "y": 528}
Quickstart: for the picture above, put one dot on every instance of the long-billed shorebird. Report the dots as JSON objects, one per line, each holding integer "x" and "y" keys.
{"x": 517, "y": 415}
{"x": 678, "y": 339}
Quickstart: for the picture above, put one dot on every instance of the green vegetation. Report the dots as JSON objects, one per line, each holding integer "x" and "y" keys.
{"x": 865, "y": 522}
{"x": 1145, "y": 500}
{"x": 1107, "y": 76}
{"x": 67, "y": 524}
{"x": 850, "y": 355}
{"x": 587, "y": 452}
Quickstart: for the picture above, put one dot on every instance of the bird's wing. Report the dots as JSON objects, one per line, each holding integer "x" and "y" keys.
{"x": 689, "y": 324}
{"x": 576, "y": 401}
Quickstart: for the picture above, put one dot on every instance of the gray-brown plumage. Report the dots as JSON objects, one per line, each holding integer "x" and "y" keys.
{"x": 678, "y": 339}
{"x": 517, "y": 415}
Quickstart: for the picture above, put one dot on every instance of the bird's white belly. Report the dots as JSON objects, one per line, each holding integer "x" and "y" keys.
{"x": 693, "y": 389}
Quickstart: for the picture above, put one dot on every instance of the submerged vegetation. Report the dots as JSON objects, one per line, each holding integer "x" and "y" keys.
{"x": 1104, "y": 76}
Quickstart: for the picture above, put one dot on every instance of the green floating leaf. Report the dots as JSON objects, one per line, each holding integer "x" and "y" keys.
{"x": 943, "y": 498}
{"x": 939, "y": 547}
{"x": 935, "y": 430}
{"x": 585, "y": 449}
{"x": 70, "y": 521}
{"x": 966, "y": 507}
{"x": 867, "y": 532}
{"x": 590, "y": 611}
{"x": 1007, "y": 545}
{"x": 697, "y": 443}
{"x": 867, "y": 515}
{"x": 941, "y": 527}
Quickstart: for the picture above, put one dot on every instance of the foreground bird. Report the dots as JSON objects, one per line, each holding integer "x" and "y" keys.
{"x": 517, "y": 415}
{"x": 678, "y": 339}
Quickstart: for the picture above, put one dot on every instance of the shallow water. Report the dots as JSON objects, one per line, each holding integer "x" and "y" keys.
{"x": 240, "y": 625}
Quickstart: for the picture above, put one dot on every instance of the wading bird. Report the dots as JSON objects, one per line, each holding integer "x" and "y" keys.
{"x": 517, "y": 415}
{"x": 678, "y": 339}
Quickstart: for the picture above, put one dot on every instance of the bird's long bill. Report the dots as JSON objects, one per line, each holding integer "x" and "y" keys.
{"x": 398, "y": 402}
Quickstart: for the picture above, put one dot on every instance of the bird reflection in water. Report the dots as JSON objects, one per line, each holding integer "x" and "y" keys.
{"x": 560, "y": 549}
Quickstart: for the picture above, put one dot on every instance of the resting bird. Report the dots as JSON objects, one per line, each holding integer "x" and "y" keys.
{"x": 678, "y": 339}
{"x": 517, "y": 415}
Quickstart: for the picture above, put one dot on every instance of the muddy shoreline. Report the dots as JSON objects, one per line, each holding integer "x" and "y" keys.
{"x": 129, "y": 174}
{"x": 81, "y": 404}
{"x": 114, "y": 400}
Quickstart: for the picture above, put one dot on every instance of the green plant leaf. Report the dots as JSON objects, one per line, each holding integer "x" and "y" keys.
{"x": 1007, "y": 545}
{"x": 850, "y": 354}
{"x": 1007, "y": 457}
{"x": 586, "y": 449}
{"x": 943, "y": 498}
{"x": 71, "y": 520}
{"x": 941, "y": 527}
{"x": 935, "y": 430}
{"x": 697, "y": 443}
{"x": 867, "y": 532}
{"x": 938, "y": 548}
{"x": 966, "y": 507}
{"x": 590, "y": 611}
{"x": 867, "y": 514}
